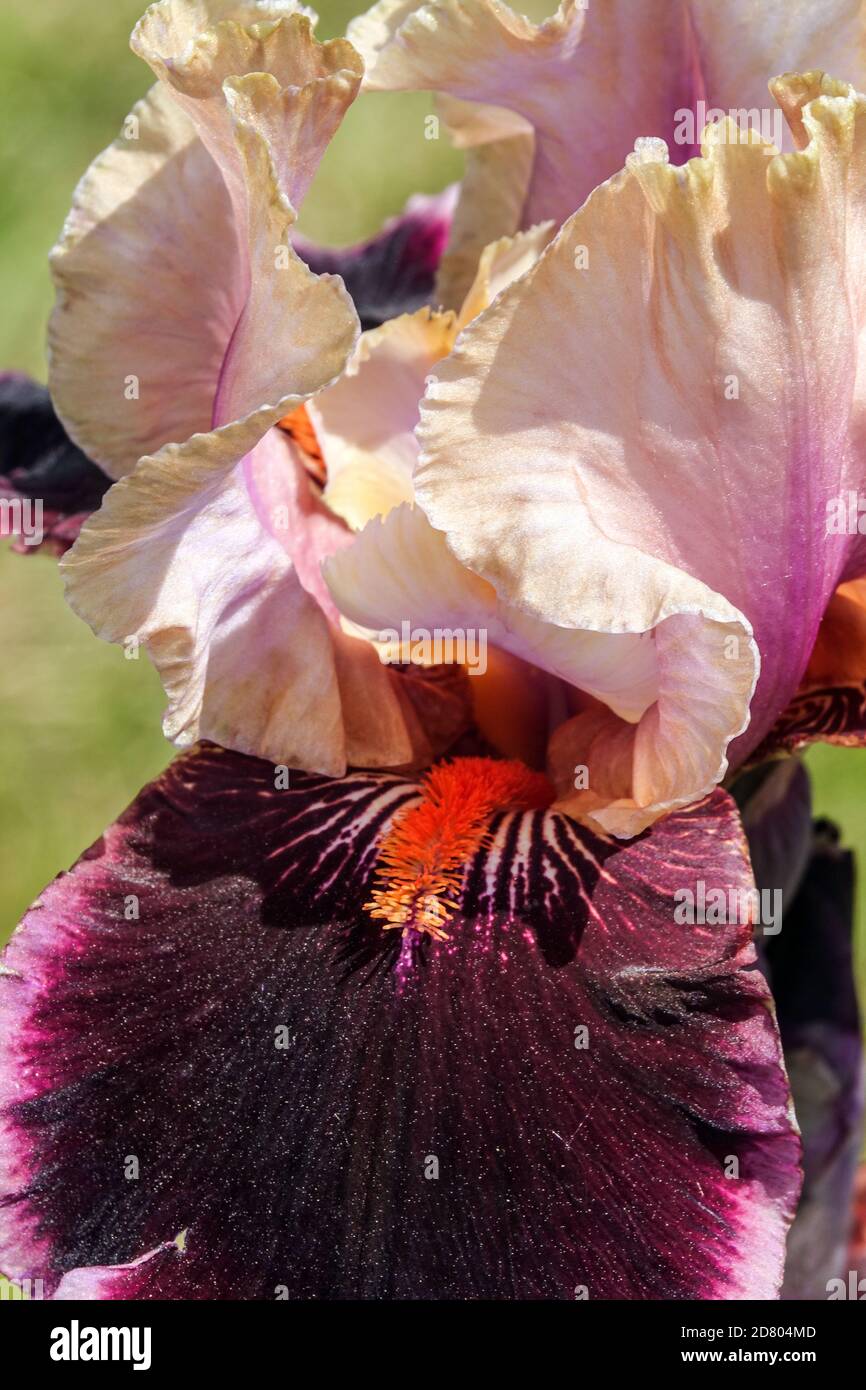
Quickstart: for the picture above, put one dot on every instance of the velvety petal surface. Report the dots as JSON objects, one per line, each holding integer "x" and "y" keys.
{"x": 775, "y": 802}
{"x": 812, "y": 973}
{"x": 613, "y": 408}
{"x": 593, "y": 78}
{"x": 49, "y": 487}
{"x": 327, "y": 1109}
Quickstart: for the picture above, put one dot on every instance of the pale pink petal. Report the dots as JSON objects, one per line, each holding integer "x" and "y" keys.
{"x": 289, "y": 506}
{"x": 365, "y": 422}
{"x": 178, "y": 272}
{"x": 208, "y": 553}
{"x": 298, "y": 86}
{"x": 500, "y": 264}
{"x": 400, "y": 570}
{"x": 677, "y": 380}
{"x": 665, "y": 679}
{"x": 179, "y": 560}
{"x": 499, "y": 150}
{"x": 148, "y": 276}
{"x": 265, "y": 99}
{"x": 593, "y": 78}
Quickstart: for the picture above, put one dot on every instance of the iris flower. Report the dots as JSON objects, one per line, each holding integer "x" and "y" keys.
{"x": 491, "y": 592}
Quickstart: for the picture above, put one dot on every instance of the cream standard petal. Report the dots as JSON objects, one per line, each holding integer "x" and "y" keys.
{"x": 499, "y": 150}
{"x": 399, "y": 571}
{"x": 149, "y": 289}
{"x": 675, "y": 672}
{"x": 292, "y": 320}
{"x": 196, "y": 53}
{"x": 594, "y": 78}
{"x": 195, "y": 314}
{"x": 678, "y": 379}
{"x": 481, "y": 58}
{"x": 178, "y": 560}
{"x": 365, "y": 422}
{"x": 265, "y": 98}
{"x": 500, "y": 264}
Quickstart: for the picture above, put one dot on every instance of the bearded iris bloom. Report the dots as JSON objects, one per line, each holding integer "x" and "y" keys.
{"x": 382, "y": 984}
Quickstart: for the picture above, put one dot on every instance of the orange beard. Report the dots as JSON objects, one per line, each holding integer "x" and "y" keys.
{"x": 423, "y": 856}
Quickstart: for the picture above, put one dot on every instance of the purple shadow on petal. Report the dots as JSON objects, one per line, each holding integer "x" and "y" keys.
{"x": 204, "y": 992}
{"x": 48, "y": 487}
{"x": 395, "y": 271}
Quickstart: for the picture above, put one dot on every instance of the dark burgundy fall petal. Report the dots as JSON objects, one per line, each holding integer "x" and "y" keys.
{"x": 40, "y": 466}
{"x": 812, "y": 973}
{"x": 393, "y": 273}
{"x": 775, "y": 802}
{"x": 329, "y": 1111}
{"x": 126, "y": 1282}
{"x": 819, "y": 714}
{"x": 830, "y": 704}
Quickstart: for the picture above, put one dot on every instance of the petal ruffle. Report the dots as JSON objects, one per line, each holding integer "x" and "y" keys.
{"x": 181, "y": 559}
{"x": 639, "y": 430}
{"x": 265, "y": 99}
{"x": 592, "y": 79}
{"x": 400, "y": 571}
{"x": 204, "y": 1032}
{"x": 176, "y": 264}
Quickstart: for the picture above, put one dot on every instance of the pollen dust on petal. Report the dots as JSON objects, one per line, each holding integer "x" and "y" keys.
{"x": 422, "y": 859}
{"x": 299, "y": 427}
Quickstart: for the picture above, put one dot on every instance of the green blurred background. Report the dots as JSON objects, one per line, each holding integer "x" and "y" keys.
{"x": 79, "y": 732}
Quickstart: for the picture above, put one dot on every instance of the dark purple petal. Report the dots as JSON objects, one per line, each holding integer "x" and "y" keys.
{"x": 775, "y": 801}
{"x": 810, "y": 966}
{"x": 307, "y": 1169}
{"x": 393, "y": 273}
{"x": 41, "y": 467}
{"x": 812, "y": 973}
{"x": 825, "y": 714}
